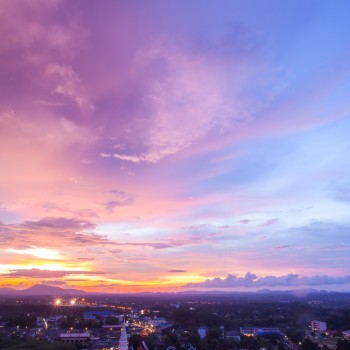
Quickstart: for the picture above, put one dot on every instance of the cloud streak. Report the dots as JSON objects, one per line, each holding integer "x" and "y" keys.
{"x": 51, "y": 232}
{"x": 37, "y": 273}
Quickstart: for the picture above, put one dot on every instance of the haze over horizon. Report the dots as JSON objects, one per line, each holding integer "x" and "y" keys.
{"x": 175, "y": 145}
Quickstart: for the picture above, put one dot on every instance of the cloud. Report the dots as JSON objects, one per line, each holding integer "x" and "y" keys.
{"x": 68, "y": 85}
{"x": 177, "y": 271}
{"x": 51, "y": 232}
{"x": 56, "y": 232}
{"x": 261, "y": 222}
{"x": 129, "y": 158}
{"x": 53, "y": 283}
{"x": 195, "y": 227}
{"x": 120, "y": 199}
{"x": 47, "y": 38}
{"x": 37, "y": 273}
{"x": 253, "y": 281}
{"x": 115, "y": 251}
{"x": 321, "y": 230}
{"x": 158, "y": 245}
{"x": 343, "y": 193}
{"x": 7, "y": 116}
{"x": 191, "y": 115}
{"x": 179, "y": 107}
{"x": 246, "y": 221}
{"x": 59, "y": 224}
{"x": 283, "y": 246}
{"x": 269, "y": 222}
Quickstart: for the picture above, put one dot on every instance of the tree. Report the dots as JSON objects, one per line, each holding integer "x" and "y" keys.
{"x": 343, "y": 344}
{"x": 307, "y": 344}
{"x": 111, "y": 320}
{"x": 135, "y": 341}
{"x": 31, "y": 344}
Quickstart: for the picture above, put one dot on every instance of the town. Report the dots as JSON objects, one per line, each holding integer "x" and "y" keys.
{"x": 156, "y": 321}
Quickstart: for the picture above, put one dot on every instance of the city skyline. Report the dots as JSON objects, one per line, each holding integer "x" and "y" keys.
{"x": 175, "y": 146}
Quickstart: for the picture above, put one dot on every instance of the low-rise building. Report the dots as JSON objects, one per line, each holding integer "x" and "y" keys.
{"x": 75, "y": 337}
{"x": 233, "y": 335}
{"x": 92, "y": 315}
{"x": 318, "y": 326}
{"x": 346, "y": 334}
{"x": 247, "y": 331}
{"x": 260, "y": 332}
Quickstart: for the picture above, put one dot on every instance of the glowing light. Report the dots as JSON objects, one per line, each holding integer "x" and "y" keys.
{"x": 43, "y": 253}
{"x": 72, "y": 302}
{"x": 58, "y": 302}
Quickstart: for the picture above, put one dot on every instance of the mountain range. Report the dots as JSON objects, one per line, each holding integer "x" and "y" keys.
{"x": 40, "y": 290}
{"x": 47, "y": 290}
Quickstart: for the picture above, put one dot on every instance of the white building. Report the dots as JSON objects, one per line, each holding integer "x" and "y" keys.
{"x": 233, "y": 335}
{"x": 123, "y": 341}
{"x": 318, "y": 326}
{"x": 75, "y": 337}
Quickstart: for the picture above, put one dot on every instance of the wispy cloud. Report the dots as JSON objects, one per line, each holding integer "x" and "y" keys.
{"x": 118, "y": 199}
{"x": 37, "y": 273}
{"x": 159, "y": 245}
{"x": 53, "y": 282}
{"x": 177, "y": 271}
{"x": 51, "y": 232}
{"x": 184, "y": 108}
{"x": 69, "y": 85}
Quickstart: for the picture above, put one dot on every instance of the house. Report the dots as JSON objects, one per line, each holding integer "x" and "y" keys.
{"x": 233, "y": 335}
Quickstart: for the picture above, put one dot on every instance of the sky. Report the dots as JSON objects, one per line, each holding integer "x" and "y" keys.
{"x": 175, "y": 145}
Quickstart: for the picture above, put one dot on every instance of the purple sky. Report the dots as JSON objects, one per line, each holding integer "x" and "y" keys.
{"x": 175, "y": 144}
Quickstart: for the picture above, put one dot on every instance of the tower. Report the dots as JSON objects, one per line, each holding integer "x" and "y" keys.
{"x": 123, "y": 341}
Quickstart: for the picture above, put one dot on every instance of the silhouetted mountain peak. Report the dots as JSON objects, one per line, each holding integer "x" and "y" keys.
{"x": 44, "y": 289}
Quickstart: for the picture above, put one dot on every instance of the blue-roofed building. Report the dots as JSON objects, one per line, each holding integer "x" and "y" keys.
{"x": 259, "y": 332}
{"x": 92, "y": 315}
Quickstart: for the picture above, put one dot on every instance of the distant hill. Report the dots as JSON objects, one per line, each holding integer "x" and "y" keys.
{"x": 41, "y": 290}
{"x": 289, "y": 291}
{"x": 206, "y": 292}
{"x": 7, "y": 291}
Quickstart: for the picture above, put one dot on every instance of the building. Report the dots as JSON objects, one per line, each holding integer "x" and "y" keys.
{"x": 247, "y": 331}
{"x": 233, "y": 335}
{"x": 75, "y": 337}
{"x": 93, "y": 315}
{"x": 159, "y": 322}
{"x": 202, "y": 332}
{"x": 123, "y": 341}
{"x": 260, "y": 332}
{"x": 346, "y": 334}
{"x": 318, "y": 326}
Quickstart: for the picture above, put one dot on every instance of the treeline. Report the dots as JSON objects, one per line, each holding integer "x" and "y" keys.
{"x": 31, "y": 344}
{"x": 296, "y": 315}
